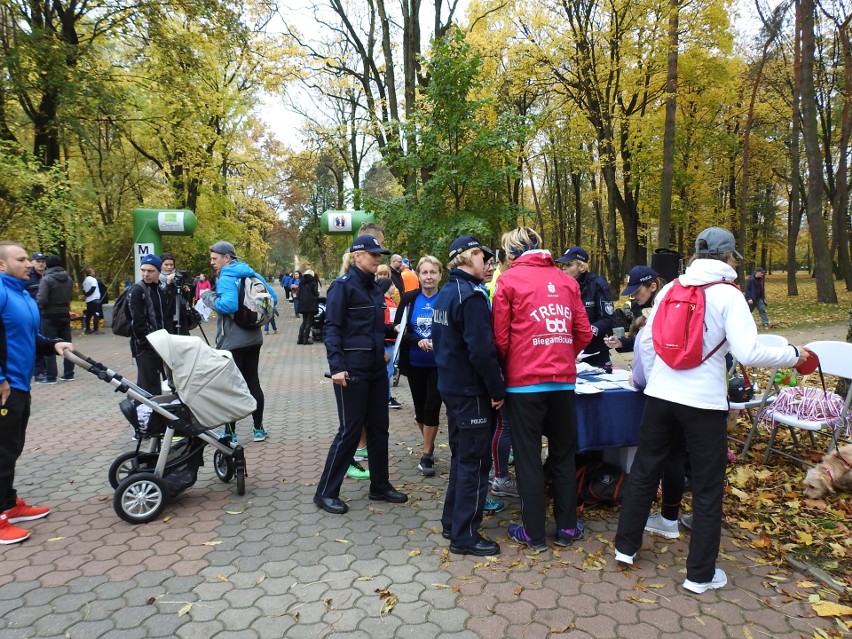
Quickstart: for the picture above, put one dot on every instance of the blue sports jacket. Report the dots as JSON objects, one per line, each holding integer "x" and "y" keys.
{"x": 226, "y": 300}
{"x": 19, "y": 333}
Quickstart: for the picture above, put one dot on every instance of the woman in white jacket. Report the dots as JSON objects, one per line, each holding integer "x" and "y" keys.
{"x": 694, "y": 402}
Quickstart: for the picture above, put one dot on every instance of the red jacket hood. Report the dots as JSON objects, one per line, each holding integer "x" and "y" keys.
{"x": 540, "y": 322}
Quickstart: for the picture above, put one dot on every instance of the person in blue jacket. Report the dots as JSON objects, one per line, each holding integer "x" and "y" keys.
{"x": 244, "y": 343}
{"x": 756, "y": 294}
{"x": 355, "y": 333}
{"x": 597, "y": 300}
{"x": 20, "y": 340}
{"x": 472, "y": 388}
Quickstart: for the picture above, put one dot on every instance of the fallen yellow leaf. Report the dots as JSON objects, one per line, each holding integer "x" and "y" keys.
{"x": 828, "y": 609}
{"x": 211, "y": 543}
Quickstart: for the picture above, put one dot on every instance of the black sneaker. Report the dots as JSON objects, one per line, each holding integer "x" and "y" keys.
{"x": 427, "y": 465}
{"x": 66, "y": 378}
{"x": 392, "y": 403}
{"x": 46, "y": 380}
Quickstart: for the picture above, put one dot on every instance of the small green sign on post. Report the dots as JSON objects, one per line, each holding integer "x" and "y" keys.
{"x": 348, "y": 222}
{"x": 149, "y": 225}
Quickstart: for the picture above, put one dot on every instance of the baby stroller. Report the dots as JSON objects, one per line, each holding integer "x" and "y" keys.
{"x": 318, "y": 322}
{"x": 172, "y": 430}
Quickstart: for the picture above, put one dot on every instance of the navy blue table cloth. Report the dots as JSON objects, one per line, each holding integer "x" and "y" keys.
{"x": 609, "y": 420}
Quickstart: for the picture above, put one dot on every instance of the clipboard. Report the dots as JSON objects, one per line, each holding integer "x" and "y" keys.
{"x": 403, "y": 324}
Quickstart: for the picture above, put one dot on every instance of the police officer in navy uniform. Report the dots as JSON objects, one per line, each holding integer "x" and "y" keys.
{"x": 597, "y": 300}
{"x": 355, "y": 344}
{"x": 472, "y": 388}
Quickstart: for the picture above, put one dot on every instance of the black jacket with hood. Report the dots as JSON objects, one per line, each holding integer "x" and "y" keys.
{"x": 54, "y": 293}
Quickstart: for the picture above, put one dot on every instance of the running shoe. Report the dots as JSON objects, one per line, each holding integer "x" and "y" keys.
{"x": 720, "y": 580}
{"x": 567, "y": 536}
{"x": 357, "y": 471}
{"x": 517, "y": 532}
{"x": 361, "y": 454}
{"x": 10, "y": 534}
{"x": 427, "y": 465}
{"x": 657, "y": 525}
{"x": 493, "y": 506}
{"x": 260, "y": 434}
{"x": 22, "y": 511}
{"x": 506, "y": 487}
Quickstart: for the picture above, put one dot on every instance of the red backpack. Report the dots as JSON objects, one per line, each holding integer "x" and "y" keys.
{"x": 678, "y": 328}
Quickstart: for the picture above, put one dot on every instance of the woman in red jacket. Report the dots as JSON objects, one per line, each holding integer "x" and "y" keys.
{"x": 540, "y": 324}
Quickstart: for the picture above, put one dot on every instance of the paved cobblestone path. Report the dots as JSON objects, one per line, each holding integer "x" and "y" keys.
{"x": 270, "y": 564}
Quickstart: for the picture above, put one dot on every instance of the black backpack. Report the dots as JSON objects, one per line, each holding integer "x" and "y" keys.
{"x": 600, "y": 484}
{"x": 121, "y": 314}
{"x": 103, "y": 292}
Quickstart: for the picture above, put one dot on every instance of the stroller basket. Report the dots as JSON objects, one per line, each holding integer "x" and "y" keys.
{"x": 149, "y": 423}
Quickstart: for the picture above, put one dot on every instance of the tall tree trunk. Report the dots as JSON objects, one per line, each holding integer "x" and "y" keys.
{"x": 794, "y": 215}
{"x": 840, "y": 204}
{"x": 822, "y": 257}
{"x": 664, "y": 239}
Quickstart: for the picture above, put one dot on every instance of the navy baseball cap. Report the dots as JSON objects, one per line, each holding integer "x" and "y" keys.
{"x": 467, "y": 242}
{"x": 715, "y": 241}
{"x": 573, "y": 254}
{"x": 368, "y": 243}
{"x": 38, "y": 256}
{"x": 638, "y": 276}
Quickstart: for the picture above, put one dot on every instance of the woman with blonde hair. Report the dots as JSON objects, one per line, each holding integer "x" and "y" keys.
{"x": 540, "y": 325}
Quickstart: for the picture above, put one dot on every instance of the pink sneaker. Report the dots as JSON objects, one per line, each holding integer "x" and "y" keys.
{"x": 10, "y": 534}
{"x": 22, "y": 512}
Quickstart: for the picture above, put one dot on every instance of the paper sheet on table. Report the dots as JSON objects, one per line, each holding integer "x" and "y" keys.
{"x": 584, "y": 388}
{"x": 617, "y": 375}
{"x": 587, "y": 369}
{"x": 605, "y": 385}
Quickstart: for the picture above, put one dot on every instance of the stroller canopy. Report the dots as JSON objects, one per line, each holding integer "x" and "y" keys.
{"x": 207, "y": 380}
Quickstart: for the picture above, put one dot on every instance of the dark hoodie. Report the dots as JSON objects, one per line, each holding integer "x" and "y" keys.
{"x": 54, "y": 293}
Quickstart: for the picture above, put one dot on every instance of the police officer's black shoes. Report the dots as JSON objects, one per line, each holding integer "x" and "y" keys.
{"x": 331, "y": 504}
{"x": 391, "y": 495}
{"x": 482, "y": 548}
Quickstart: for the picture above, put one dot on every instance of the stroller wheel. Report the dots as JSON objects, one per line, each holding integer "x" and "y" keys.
{"x": 223, "y": 465}
{"x": 125, "y": 465}
{"x": 241, "y": 482}
{"x": 139, "y": 498}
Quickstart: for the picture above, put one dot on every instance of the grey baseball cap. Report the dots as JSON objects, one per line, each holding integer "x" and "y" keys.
{"x": 715, "y": 241}
{"x": 224, "y": 248}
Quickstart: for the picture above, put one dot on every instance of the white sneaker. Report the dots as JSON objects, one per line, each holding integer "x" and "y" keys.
{"x": 686, "y": 520}
{"x": 658, "y": 525}
{"x": 720, "y": 580}
{"x": 622, "y": 558}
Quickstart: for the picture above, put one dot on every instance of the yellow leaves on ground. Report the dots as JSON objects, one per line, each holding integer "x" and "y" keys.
{"x": 389, "y": 601}
{"x": 828, "y": 609}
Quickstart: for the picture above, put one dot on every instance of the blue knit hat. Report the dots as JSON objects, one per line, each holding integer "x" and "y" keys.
{"x": 153, "y": 260}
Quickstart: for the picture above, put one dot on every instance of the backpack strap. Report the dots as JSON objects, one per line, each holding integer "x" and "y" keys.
{"x": 724, "y": 339}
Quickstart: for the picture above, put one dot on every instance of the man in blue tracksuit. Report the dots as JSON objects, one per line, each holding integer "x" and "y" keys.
{"x": 472, "y": 388}
{"x": 355, "y": 335}
{"x": 20, "y": 340}
{"x": 244, "y": 343}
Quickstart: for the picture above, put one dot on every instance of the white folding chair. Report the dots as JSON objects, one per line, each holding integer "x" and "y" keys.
{"x": 769, "y": 394}
{"x": 835, "y": 359}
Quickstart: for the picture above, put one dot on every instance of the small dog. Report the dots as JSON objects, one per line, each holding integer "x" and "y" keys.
{"x": 833, "y": 474}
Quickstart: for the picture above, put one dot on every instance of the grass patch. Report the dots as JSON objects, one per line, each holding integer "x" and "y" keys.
{"x": 791, "y": 312}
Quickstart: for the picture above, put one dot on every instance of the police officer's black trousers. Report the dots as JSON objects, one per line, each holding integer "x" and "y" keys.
{"x": 361, "y": 405}
{"x": 551, "y": 415}
{"x": 471, "y": 425}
